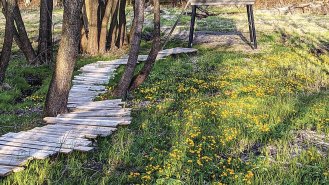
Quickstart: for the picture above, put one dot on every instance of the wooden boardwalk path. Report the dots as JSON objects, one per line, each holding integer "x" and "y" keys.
{"x": 86, "y": 120}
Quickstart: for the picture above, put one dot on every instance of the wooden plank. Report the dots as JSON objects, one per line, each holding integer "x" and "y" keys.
{"x": 33, "y": 146}
{"x": 176, "y": 51}
{"x": 51, "y": 139}
{"x": 6, "y": 170}
{"x": 116, "y": 62}
{"x": 97, "y": 87}
{"x": 90, "y": 104}
{"x": 61, "y": 145}
{"x": 69, "y": 134}
{"x": 80, "y": 82}
{"x": 87, "y": 133}
{"x": 82, "y": 127}
{"x": 12, "y": 160}
{"x": 103, "y": 78}
{"x": 88, "y": 123}
{"x": 85, "y": 108}
{"x": 53, "y": 120}
{"x": 106, "y": 102}
{"x": 105, "y": 112}
{"x": 100, "y": 118}
{"x": 222, "y": 2}
{"x": 76, "y": 121}
{"x": 86, "y": 79}
{"x": 95, "y": 75}
{"x": 99, "y": 113}
{"x": 19, "y": 151}
{"x": 63, "y": 136}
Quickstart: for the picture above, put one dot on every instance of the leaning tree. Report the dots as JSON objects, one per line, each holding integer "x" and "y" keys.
{"x": 57, "y": 96}
{"x": 9, "y": 6}
{"x": 128, "y": 81}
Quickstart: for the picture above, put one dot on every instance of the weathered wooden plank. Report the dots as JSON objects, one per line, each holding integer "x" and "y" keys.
{"x": 128, "y": 118}
{"x": 69, "y": 134}
{"x": 52, "y": 144}
{"x": 33, "y": 146}
{"x": 81, "y": 82}
{"x": 116, "y": 62}
{"x": 12, "y": 160}
{"x": 85, "y": 108}
{"x": 96, "y": 87}
{"x": 88, "y": 123}
{"x": 87, "y": 133}
{"x": 99, "y": 113}
{"x": 105, "y": 123}
{"x": 52, "y": 139}
{"x": 54, "y": 120}
{"x": 82, "y": 127}
{"x": 103, "y": 78}
{"x": 176, "y": 51}
{"x": 20, "y": 151}
{"x": 91, "y": 105}
{"x": 6, "y": 170}
{"x": 105, "y": 112}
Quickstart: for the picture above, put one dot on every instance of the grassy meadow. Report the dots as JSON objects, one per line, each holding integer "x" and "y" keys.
{"x": 227, "y": 115}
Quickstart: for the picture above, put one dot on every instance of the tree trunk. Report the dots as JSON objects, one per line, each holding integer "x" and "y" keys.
{"x": 156, "y": 47}
{"x": 121, "y": 40}
{"x": 8, "y": 40}
{"x": 92, "y": 9}
{"x": 131, "y": 31}
{"x": 25, "y": 45}
{"x": 121, "y": 89}
{"x": 56, "y": 101}
{"x": 45, "y": 31}
{"x": 21, "y": 38}
{"x": 110, "y": 8}
{"x": 112, "y": 35}
{"x": 84, "y": 30}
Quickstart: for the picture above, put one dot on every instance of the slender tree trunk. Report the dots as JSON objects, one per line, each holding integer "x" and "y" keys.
{"x": 121, "y": 40}
{"x": 25, "y": 45}
{"x": 125, "y": 81}
{"x": 92, "y": 9}
{"x": 113, "y": 27}
{"x": 56, "y": 101}
{"x": 45, "y": 31}
{"x": 131, "y": 31}
{"x": 8, "y": 41}
{"x": 156, "y": 47}
{"x": 84, "y": 30}
{"x": 21, "y": 38}
{"x": 107, "y": 15}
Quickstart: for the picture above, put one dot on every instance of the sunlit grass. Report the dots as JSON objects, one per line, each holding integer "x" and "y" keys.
{"x": 220, "y": 116}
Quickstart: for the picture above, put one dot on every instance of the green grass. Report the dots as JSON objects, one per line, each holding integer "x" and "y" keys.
{"x": 217, "y": 117}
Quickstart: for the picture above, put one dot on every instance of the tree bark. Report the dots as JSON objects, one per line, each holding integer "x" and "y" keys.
{"x": 8, "y": 40}
{"x": 56, "y": 101}
{"x": 45, "y": 31}
{"x": 21, "y": 38}
{"x": 121, "y": 89}
{"x": 121, "y": 40}
{"x": 110, "y": 7}
{"x": 25, "y": 45}
{"x": 84, "y": 30}
{"x": 113, "y": 27}
{"x": 92, "y": 9}
{"x": 156, "y": 47}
